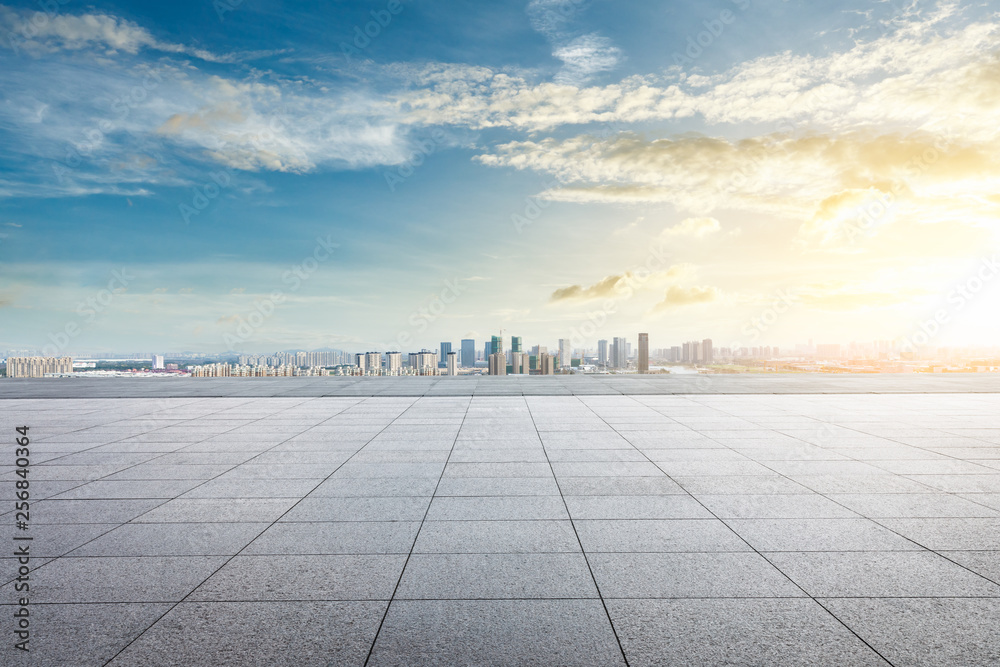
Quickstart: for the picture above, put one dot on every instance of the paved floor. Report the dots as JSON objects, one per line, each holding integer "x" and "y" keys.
{"x": 492, "y": 530}
{"x": 511, "y": 385}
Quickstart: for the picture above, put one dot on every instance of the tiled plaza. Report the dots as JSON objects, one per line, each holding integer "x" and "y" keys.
{"x": 646, "y": 529}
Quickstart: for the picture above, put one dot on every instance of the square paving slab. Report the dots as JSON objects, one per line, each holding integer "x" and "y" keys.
{"x": 577, "y": 522}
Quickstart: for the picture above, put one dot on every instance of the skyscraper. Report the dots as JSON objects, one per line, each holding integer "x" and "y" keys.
{"x": 393, "y": 363}
{"x": 452, "y": 362}
{"x": 373, "y": 363}
{"x": 468, "y": 352}
{"x": 619, "y": 353}
{"x": 643, "y": 364}
{"x": 497, "y": 359}
{"x": 157, "y": 361}
{"x": 602, "y": 353}
{"x": 515, "y": 344}
{"x": 706, "y": 351}
{"x": 445, "y": 351}
{"x": 565, "y": 353}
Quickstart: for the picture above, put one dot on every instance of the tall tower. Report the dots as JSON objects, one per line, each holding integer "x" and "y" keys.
{"x": 643, "y": 353}
{"x": 468, "y": 353}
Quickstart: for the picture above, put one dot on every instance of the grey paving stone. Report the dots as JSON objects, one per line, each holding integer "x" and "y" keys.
{"x": 391, "y": 508}
{"x": 933, "y": 632}
{"x": 619, "y": 486}
{"x": 881, "y": 574}
{"x": 496, "y": 537}
{"x": 56, "y": 540}
{"x": 366, "y": 470}
{"x": 82, "y": 635}
{"x": 493, "y": 508}
{"x": 498, "y": 486}
{"x": 217, "y": 510}
{"x": 735, "y": 632}
{"x": 264, "y": 634}
{"x": 90, "y": 511}
{"x": 496, "y": 576}
{"x": 173, "y": 539}
{"x": 605, "y": 469}
{"x": 520, "y": 469}
{"x": 636, "y": 507}
{"x": 329, "y": 577}
{"x": 375, "y": 487}
{"x": 125, "y": 579}
{"x": 912, "y": 505}
{"x": 253, "y": 488}
{"x": 357, "y": 537}
{"x": 819, "y": 535}
{"x": 984, "y": 563}
{"x": 504, "y": 632}
{"x": 949, "y": 534}
{"x": 775, "y": 506}
{"x": 128, "y": 489}
{"x": 740, "y": 485}
{"x": 658, "y": 536}
{"x": 688, "y": 575}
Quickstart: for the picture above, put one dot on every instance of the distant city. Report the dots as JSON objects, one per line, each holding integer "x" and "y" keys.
{"x": 619, "y": 355}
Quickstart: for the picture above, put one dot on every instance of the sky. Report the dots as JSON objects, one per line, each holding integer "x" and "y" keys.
{"x": 256, "y": 176}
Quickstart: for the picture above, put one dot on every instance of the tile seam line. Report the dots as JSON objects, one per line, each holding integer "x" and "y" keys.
{"x": 572, "y": 524}
{"x": 754, "y": 549}
{"x": 879, "y": 521}
{"x": 230, "y": 558}
{"x": 399, "y": 580}
{"x": 107, "y": 532}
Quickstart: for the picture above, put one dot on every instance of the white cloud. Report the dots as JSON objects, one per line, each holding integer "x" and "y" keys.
{"x": 696, "y": 227}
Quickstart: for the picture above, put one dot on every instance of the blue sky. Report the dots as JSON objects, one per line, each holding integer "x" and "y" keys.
{"x": 580, "y": 169}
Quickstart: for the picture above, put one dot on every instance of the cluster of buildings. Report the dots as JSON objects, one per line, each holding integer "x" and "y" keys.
{"x": 511, "y": 357}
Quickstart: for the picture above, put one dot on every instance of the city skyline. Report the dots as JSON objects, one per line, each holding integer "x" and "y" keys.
{"x": 758, "y": 169}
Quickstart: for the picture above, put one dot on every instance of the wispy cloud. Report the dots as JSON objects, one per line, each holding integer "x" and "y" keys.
{"x": 687, "y": 296}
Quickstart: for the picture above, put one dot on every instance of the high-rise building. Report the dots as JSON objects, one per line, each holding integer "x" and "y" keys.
{"x": 520, "y": 363}
{"x": 515, "y": 344}
{"x": 643, "y": 361}
{"x": 565, "y": 353}
{"x": 36, "y": 367}
{"x": 487, "y": 350}
{"x": 452, "y": 363}
{"x": 373, "y": 363}
{"x": 445, "y": 351}
{"x": 157, "y": 362}
{"x": 546, "y": 363}
{"x": 619, "y": 353}
{"x": 360, "y": 361}
{"x": 468, "y": 353}
{"x": 393, "y": 363}
{"x": 498, "y": 363}
{"x": 424, "y": 362}
{"x": 706, "y": 351}
{"x": 602, "y": 353}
